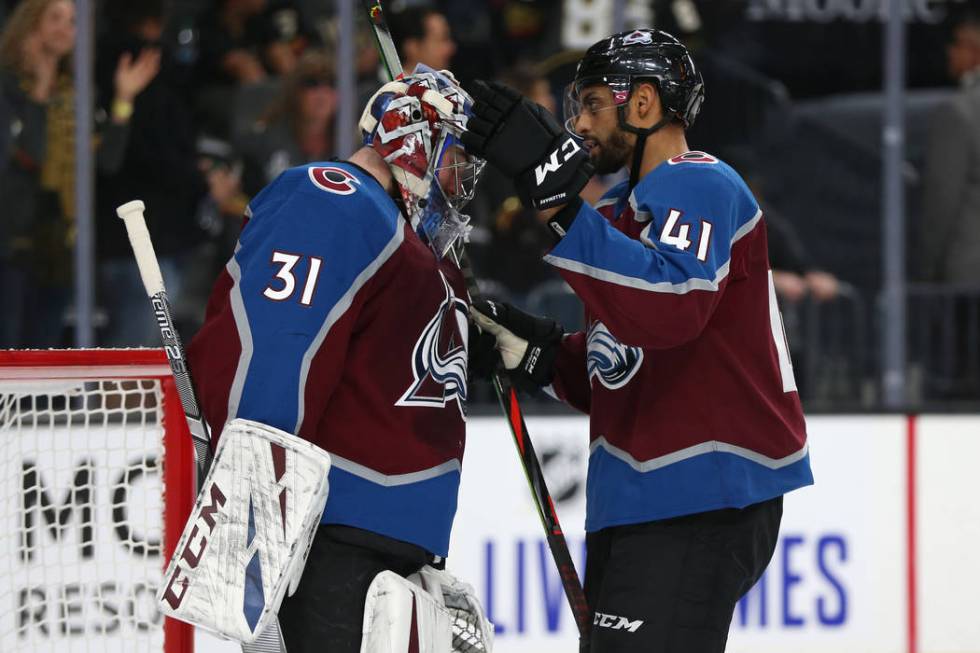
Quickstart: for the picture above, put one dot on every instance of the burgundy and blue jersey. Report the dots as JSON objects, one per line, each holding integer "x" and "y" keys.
{"x": 335, "y": 322}
{"x": 684, "y": 367}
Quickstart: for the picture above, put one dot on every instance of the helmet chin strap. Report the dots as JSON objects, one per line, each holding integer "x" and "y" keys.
{"x": 641, "y": 140}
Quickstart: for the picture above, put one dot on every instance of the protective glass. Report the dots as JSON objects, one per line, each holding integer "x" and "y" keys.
{"x": 576, "y": 102}
{"x": 438, "y": 223}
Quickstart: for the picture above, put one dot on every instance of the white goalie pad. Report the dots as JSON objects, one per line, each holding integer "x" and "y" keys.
{"x": 248, "y": 537}
{"x": 430, "y": 612}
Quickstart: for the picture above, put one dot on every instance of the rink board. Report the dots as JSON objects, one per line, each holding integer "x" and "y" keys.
{"x": 842, "y": 578}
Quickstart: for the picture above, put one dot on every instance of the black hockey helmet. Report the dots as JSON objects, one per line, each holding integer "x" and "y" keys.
{"x": 622, "y": 60}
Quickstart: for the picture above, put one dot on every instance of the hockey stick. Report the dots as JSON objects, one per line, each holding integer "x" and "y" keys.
{"x": 506, "y": 395}
{"x": 146, "y": 260}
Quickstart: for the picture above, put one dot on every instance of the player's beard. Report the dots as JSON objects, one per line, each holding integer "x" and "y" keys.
{"x": 613, "y": 153}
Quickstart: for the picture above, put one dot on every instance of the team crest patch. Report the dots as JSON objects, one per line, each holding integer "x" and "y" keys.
{"x": 692, "y": 157}
{"x": 610, "y": 361}
{"x": 439, "y": 357}
{"x": 637, "y": 36}
{"x": 334, "y": 180}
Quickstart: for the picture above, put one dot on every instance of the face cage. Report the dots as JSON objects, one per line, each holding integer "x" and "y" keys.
{"x": 462, "y": 179}
{"x": 437, "y": 218}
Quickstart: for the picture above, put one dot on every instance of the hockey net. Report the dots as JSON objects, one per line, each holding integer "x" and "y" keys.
{"x": 97, "y": 481}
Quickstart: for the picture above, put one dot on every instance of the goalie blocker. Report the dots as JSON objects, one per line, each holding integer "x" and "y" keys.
{"x": 247, "y": 540}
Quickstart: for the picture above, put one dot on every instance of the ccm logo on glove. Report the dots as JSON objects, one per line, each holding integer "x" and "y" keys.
{"x": 567, "y": 149}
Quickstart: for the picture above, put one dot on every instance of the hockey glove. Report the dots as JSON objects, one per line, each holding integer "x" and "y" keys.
{"x": 526, "y": 143}
{"x": 527, "y": 344}
{"x": 482, "y": 353}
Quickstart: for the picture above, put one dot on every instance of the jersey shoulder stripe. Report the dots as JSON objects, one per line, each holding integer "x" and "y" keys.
{"x": 686, "y": 217}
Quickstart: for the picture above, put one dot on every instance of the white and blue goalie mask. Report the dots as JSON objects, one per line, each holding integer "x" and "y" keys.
{"x": 414, "y": 123}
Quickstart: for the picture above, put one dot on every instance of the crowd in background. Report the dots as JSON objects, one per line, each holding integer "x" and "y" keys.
{"x": 200, "y": 103}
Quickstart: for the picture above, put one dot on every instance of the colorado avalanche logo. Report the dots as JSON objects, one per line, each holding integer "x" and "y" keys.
{"x": 439, "y": 357}
{"x": 637, "y": 36}
{"x": 333, "y": 179}
{"x": 612, "y": 362}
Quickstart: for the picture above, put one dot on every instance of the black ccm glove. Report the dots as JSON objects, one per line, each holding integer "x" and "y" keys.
{"x": 526, "y": 143}
{"x": 483, "y": 357}
{"x": 527, "y": 344}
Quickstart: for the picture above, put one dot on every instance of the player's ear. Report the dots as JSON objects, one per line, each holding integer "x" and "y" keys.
{"x": 646, "y": 103}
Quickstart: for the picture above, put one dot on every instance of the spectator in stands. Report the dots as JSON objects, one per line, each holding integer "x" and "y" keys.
{"x": 949, "y": 229}
{"x": 949, "y": 232}
{"x": 38, "y": 184}
{"x": 793, "y": 273}
{"x": 298, "y": 128}
{"x": 160, "y": 166}
{"x": 244, "y": 41}
{"x": 422, "y": 36}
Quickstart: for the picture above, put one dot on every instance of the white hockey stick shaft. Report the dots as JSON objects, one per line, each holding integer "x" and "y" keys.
{"x": 146, "y": 260}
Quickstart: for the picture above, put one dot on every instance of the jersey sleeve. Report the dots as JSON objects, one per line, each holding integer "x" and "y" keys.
{"x": 303, "y": 268}
{"x": 660, "y": 290}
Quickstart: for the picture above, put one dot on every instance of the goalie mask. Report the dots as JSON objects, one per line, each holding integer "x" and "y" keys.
{"x": 414, "y": 124}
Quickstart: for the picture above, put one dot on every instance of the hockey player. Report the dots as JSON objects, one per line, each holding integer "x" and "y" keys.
{"x": 342, "y": 318}
{"x": 696, "y": 425}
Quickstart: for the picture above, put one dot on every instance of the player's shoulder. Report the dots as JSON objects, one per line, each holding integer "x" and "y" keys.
{"x": 700, "y": 181}
{"x": 700, "y": 169}
{"x": 330, "y": 191}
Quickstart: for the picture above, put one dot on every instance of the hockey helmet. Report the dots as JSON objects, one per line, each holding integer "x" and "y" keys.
{"x": 414, "y": 123}
{"x": 623, "y": 59}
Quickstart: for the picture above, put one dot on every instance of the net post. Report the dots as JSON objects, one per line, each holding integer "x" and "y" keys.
{"x": 178, "y": 483}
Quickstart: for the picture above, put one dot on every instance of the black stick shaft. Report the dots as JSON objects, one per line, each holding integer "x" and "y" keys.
{"x": 507, "y": 396}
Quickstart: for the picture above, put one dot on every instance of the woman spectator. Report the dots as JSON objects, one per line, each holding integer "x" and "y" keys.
{"x": 298, "y": 128}
{"x": 161, "y": 168}
{"x": 38, "y": 184}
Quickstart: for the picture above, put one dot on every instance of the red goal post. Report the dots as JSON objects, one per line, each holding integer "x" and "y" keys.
{"x": 97, "y": 477}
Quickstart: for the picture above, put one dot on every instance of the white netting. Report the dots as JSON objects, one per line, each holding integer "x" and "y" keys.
{"x": 81, "y": 515}
{"x": 467, "y": 635}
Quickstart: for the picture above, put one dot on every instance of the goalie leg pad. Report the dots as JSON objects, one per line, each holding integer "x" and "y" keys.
{"x": 247, "y": 539}
{"x": 400, "y": 616}
{"x": 429, "y": 611}
{"x": 472, "y": 631}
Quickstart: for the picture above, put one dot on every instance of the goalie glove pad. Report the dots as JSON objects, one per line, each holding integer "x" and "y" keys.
{"x": 528, "y": 344}
{"x": 247, "y": 539}
{"x": 548, "y": 165}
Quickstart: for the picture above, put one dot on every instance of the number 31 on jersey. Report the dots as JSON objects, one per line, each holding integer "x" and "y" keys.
{"x": 284, "y": 285}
